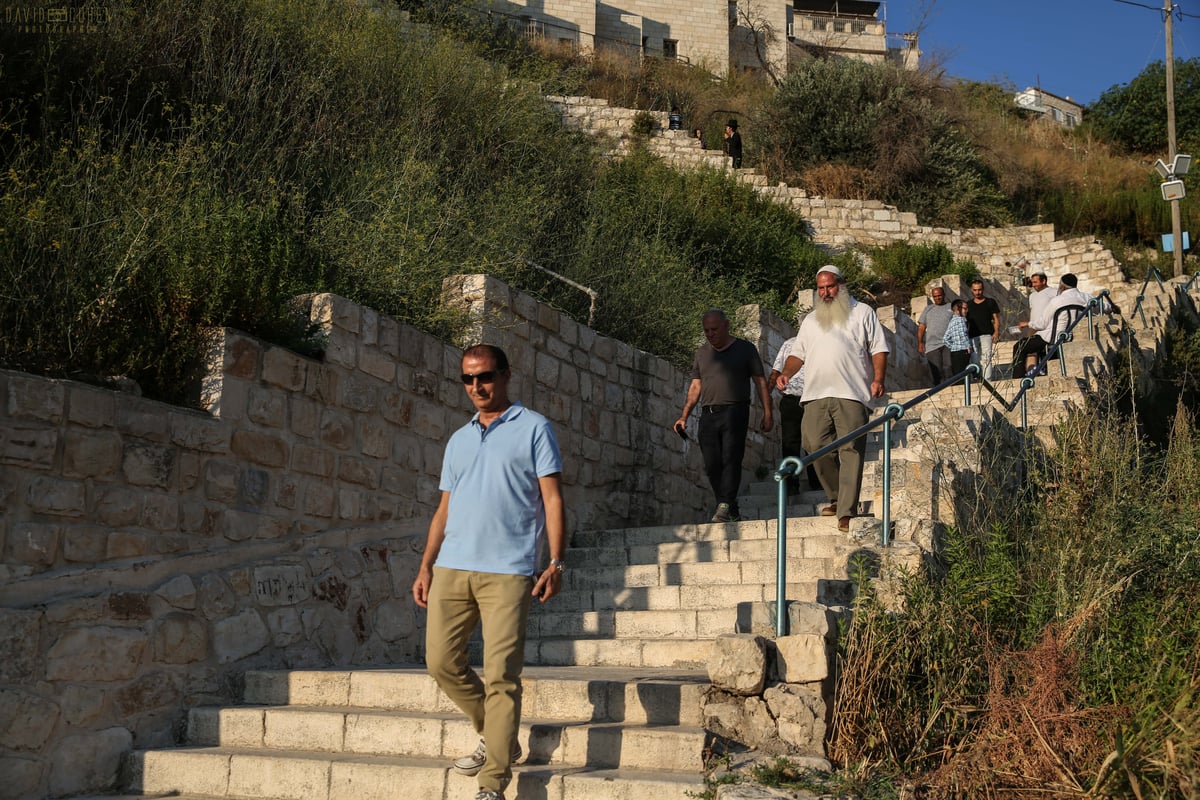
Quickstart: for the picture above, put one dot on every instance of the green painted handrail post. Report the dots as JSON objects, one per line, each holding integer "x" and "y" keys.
{"x": 781, "y": 476}
{"x": 1025, "y": 410}
{"x": 893, "y": 411}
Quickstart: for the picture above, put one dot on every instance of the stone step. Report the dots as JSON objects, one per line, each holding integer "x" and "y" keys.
{"x": 443, "y": 736}
{"x": 814, "y": 530}
{"x": 249, "y": 774}
{"x": 602, "y": 694}
{"x": 690, "y": 654}
{"x": 694, "y": 598}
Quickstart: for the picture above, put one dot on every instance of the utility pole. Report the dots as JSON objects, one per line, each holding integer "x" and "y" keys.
{"x": 1176, "y": 224}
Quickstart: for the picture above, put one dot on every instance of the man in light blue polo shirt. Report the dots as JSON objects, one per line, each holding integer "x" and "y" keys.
{"x": 501, "y": 493}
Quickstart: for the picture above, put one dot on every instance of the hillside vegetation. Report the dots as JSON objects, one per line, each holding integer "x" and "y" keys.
{"x": 199, "y": 164}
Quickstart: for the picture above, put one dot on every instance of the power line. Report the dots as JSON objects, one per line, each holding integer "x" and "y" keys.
{"x": 1176, "y": 10}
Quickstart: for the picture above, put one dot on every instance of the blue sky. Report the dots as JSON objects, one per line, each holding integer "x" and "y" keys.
{"x": 1076, "y": 48}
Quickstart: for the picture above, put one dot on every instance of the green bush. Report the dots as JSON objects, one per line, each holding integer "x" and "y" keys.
{"x": 885, "y": 121}
{"x": 644, "y": 124}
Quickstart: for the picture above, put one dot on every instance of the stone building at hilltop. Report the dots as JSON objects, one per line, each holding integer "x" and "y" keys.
{"x": 718, "y": 34}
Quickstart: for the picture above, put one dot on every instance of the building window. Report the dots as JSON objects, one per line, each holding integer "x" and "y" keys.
{"x": 1072, "y": 120}
{"x": 840, "y": 27}
{"x": 670, "y": 48}
{"x": 858, "y": 27}
{"x": 820, "y": 24}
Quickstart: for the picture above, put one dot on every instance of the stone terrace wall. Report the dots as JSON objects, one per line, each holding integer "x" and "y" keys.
{"x": 840, "y": 223}
{"x": 151, "y": 554}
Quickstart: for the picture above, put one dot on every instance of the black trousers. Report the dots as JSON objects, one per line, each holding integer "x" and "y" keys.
{"x": 723, "y": 443}
{"x": 791, "y": 416}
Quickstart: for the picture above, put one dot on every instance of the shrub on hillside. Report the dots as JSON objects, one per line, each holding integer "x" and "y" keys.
{"x": 884, "y": 121}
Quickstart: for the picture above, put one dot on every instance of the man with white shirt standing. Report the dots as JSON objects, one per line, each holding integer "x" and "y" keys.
{"x": 844, "y": 352}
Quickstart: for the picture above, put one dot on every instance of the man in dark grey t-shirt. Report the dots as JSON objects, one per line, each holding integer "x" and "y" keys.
{"x": 721, "y": 376}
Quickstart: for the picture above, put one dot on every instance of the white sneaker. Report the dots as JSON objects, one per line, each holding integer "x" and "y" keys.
{"x": 470, "y": 765}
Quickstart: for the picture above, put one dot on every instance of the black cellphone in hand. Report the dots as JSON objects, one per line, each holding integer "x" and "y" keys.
{"x": 682, "y": 433}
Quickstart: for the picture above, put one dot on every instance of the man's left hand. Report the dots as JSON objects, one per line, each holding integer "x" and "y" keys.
{"x": 876, "y": 388}
{"x": 549, "y": 583}
{"x": 767, "y": 422}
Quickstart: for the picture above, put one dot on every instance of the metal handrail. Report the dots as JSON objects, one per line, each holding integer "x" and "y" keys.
{"x": 893, "y": 411}
{"x": 1191, "y": 282}
{"x": 1137, "y": 307}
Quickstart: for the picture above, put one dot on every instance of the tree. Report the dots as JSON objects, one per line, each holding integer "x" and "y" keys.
{"x": 1134, "y": 115}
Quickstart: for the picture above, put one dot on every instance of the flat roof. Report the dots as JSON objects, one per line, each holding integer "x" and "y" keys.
{"x": 856, "y": 8}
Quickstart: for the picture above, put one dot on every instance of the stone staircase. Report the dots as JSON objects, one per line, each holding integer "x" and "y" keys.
{"x": 618, "y": 703}
{"x": 615, "y": 690}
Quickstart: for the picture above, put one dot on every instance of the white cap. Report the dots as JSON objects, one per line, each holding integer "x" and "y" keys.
{"x": 831, "y": 269}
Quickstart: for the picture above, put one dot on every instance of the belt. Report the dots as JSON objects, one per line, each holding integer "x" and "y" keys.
{"x": 719, "y": 409}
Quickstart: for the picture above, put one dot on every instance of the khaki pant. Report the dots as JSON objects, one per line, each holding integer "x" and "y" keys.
{"x": 840, "y": 472}
{"x": 458, "y": 600}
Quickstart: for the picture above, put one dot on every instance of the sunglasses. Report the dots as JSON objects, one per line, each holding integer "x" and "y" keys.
{"x": 483, "y": 377}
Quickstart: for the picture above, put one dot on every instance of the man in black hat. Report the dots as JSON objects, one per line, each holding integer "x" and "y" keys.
{"x": 733, "y": 143}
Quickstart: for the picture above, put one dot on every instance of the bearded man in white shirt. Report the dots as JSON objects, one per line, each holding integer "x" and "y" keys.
{"x": 843, "y": 350}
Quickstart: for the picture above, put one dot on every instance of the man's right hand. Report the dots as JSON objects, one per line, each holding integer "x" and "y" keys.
{"x": 781, "y": 382}
{"x": 420, "y": 587}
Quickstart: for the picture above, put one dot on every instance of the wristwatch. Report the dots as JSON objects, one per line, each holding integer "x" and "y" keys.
{"x": 558, "y": 565}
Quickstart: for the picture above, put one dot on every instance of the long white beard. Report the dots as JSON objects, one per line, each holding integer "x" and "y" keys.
{"x": 833, "y": 314}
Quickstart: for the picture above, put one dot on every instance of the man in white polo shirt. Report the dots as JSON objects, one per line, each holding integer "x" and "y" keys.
{"x": 843, "y": 350}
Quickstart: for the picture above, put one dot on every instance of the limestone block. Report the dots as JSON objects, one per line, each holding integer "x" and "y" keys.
{"x": 98, "y": 653}
{"x": 322, "y": 383}
{"x": 337, "y": 429}
{"x": 152, "y": 691}
{"x": 21, "y": 776}
{"x": 801, "y": 658}
{"x": 178, "y": 592}
{"x": 738, "y": 663}
{"x": 31, "y": 397}
{"x": 221, "y": 479}
{"x": 91, "y": 455}
{"x": 33, "y": 543}
{"x": 81, "y": 704}
{"x": 260, "y": 448}
{"x": 85, "y": 544}
{"x": 239, "y": 636}
{"x": 160, "y": 512}
{"x": 395, "y": 619}
{"x": 28, "y": 447}
{"x": 284, "y": 369}
{"x": 89, "y": 762}
{"x": 180, "y": 638}
{"x": 26, "y": 720}
{"x": 280, "y": 584}
{"x": 285, "y": 627}
{"x": 21, "y": 643}
{"x": 56, "y": 497}
{"x": 376, "y": 439}
{"x": 216, "y": 598}
{"x": 267, "y": 407}
{"x": 145, "y": 464}
{"x": 319, "y": 500}
{"x": 800, "y": 712}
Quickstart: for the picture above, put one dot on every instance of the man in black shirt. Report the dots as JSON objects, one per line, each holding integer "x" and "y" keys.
{"x": 983, "y": 326}
{"x": 721, "y": 376}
